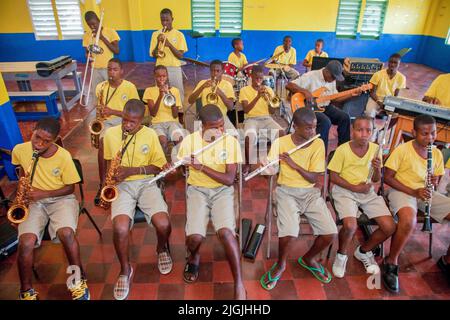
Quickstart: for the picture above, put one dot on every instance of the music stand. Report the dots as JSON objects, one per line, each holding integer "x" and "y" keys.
{"x": 195, "y": 35}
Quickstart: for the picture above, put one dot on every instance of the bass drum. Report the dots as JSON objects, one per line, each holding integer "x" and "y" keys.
{"x": 229, "y": 72}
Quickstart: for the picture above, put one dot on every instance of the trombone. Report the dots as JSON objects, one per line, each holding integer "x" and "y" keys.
{"x": 161, "y": 54}
{"x": 93, "y": 50}
{"x": 213, "y": 97}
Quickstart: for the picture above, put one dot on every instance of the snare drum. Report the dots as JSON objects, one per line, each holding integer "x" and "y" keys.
{"x": 269, "y": 81}
{"x": 229, "y": 71}
{"x": 247, "y": 71}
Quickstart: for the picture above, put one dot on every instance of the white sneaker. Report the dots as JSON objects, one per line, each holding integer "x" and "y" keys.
{"x": 339, "y": 265}
{"x": 368, "y": 260}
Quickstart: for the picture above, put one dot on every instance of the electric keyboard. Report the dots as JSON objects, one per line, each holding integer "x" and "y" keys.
{"x": 415, "y": 107}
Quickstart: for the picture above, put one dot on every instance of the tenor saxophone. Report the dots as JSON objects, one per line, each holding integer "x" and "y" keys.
{"x": 110, "y": 192}
{"x": 19, "y": 211}
{"x": 96, "y": 126}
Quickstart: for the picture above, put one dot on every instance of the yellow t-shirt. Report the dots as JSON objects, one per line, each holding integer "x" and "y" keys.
{"x": 447, "y": 165}
{"x": 238, "y": 61}
{"x": 311, "y": 159}
{"x": 385, "y": 85}
{"x": 116, "y": 97}
{"x": 143, "y": 150}
{"x": 286, "y": 58}
{"x": 440, "y": 88}
{"x": 312, "y": 53}
{"x": 227, "y": 89}
{"x": 176, "y": 38}
{"x": 410, "y": 168}
{"x": 349, "y": 166}
{"x": 101, "y": 60}
{"x": 164, "y": 113}
{"x": 51, "y": 173}
{"x": 261, "y": 108}
{"x": 227, "y": 151}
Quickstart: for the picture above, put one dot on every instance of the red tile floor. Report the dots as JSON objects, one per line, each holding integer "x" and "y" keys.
{"x": 419, "y": 276}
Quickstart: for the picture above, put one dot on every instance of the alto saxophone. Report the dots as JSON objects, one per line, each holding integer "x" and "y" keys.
{"x": 110, "y": 192}
{"x": 96, "y": 126}
{"x": 19, "y": 212}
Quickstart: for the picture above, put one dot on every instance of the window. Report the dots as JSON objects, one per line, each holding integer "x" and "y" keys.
{"x": 56, "y": 19}
{"x": 203, "y": 16}
{"x": 348, "y": 18}
{"x": 447, "y": 41}
{"x": 373, "y": 20}
{"x": 230, "y": 17}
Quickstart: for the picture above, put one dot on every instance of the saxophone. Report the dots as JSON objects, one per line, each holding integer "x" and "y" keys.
{"x": 96, "y": 126}
{"x": 110, "y": 192}
{"x": 19, "y": 212}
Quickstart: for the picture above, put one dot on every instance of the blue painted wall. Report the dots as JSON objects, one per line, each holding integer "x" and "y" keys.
{"x": 134, "y": 46}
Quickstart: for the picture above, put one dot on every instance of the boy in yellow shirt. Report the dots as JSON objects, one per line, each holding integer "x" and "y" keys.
{"x": 439, "y": 91}
{"x": 223, "y": 89}
{"x": 142, "y": 158}
{"x": 349, "y": 172}
{"x": 286, "y": 55}
{"x": 210, "y": 193}
{"x": 174, "y": 48}
{"x": 296, "y": 195}
{"x": 237, "y": 57}
{"x": 386, "y": 82}
{"x": 52, "y": 201}
{"x": 112, "y": 95}
{"x": 406, "y": 170}
{"x": 165, "y": 118}
{"x": 109, "y": 42}
{"x": 257, "y": 111}
{"x": 316, "y": 52}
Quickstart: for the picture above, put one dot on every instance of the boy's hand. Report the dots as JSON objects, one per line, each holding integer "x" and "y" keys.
{"x": 376, "y": 163}
{"x": 435, "y": 180}
{"x": 288, "y": 160}
{"x": 422, "y": 194}
{"x": 362, "y": 187}
{"x": 36, "y": 195}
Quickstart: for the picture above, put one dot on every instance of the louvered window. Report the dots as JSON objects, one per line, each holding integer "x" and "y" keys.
{"x": 348, "y": 18}
{"x": 230, "y": 17}
{"x": 204, "y": 16}
{"x": 373, "y": 19}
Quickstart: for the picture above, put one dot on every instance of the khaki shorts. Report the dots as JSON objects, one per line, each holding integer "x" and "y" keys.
{"x": 172, "y": 130}
{"x": 138, "y": 193}
{"x": 347, "y": 203}
{"x": 109, "y": 124}
{"x": 440, "y": 204}
{"x": 62, "y": 212}
{"x": 293, "y": 202}
{"x": 372, "y": 108}
{"x": 204, "y": 203}
{"x": 176, "y": 80}
{"x": 261, "y": 127}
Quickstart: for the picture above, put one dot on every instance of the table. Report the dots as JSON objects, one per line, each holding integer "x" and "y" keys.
{"x": 23, "y": 72}
{"x": 405, "y": 124}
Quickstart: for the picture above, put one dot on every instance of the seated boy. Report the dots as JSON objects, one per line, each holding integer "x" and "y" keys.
{"x": 316, "y": 52}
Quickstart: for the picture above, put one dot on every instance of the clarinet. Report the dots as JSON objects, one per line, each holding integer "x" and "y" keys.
{"x": 429, "y": 185}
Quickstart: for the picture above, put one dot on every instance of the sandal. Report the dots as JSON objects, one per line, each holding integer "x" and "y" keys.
{"x": 122, "y": 287}
{"x": 270, "y": 283}
{"x": 165, "y": 263}
{"x": 316, "y": 271}
{"x": 190, "y": 269}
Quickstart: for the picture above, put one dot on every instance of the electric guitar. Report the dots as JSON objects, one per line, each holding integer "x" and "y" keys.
{"x": 298, "y": 100}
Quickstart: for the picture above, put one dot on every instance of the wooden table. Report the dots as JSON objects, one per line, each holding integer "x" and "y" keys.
{"x": 405, "y": 124}
{"x": 23, "y": 72}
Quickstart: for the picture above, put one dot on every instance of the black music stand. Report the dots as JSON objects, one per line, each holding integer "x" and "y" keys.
{"x": 195, "y": 35}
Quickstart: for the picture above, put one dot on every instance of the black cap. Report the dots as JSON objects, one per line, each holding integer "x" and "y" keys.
{"x": 335, "y": 68}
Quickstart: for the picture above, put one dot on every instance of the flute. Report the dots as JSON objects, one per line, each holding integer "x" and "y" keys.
{"x": 380, "y": 149}
{"x": 181, "y": 162}
{"x": 271, "y": 163}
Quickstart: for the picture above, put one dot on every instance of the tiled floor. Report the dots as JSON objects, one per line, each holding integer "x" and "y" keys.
{"x": 419, "y": 276}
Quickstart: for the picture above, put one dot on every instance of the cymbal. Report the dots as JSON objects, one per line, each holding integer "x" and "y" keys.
{"x": 274, "y": 66}
{"x": 197, "y": 62}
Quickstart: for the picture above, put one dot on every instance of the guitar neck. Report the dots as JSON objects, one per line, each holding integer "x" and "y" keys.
{"x": 336, "y": 95}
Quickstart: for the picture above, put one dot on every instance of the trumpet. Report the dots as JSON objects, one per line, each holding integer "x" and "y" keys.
{"x": 274, "y": 101}
{"x": 19, "y": 211}
{"x": 380, "y": 149}
{"x": 96, "y": 126}
{"x": 161, "y": 54}
{"x": 181, "y": 162}
{"x": 429, "y": 185}
{"x": 110, "y": 192}
{"x": 93, "y": 50}
{"x": 213, "y": 97}
{"x": 169, "y": 99}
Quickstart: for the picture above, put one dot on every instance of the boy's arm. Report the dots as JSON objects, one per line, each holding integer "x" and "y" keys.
{"x": 389, "y": 177}
{"x": 227, "y": 178}
{"x": 311, "y": 177}
{"x": 38, "y": 194}
{"x": 341, "y": 182}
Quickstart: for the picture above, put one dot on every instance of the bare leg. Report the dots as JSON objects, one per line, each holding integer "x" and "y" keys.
{"x": 405, "y": 227}
{"x": 71, "y": 247}
{"x": 193, "y": 244}
{"x": 386, "y": 228}
{"x": 346, "y": 234}
{"x": 163, "y": 228}
{"x": 121, "y": 232}
{"x": 320, "y": 243}
{"x": 25, "y": 260}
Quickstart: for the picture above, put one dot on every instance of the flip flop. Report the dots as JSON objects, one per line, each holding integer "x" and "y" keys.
{"x": 122, "y": 287}
{"x": 315, "y": 271}
{"x": 270, "y": 283}
{"x": 190, "y": 269}
{"x": 165, "y": 263}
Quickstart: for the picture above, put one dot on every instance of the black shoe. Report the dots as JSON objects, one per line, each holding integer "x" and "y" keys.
{"x": 445, "y": 267}
{"x": 97, "y": 196}
{"x": 390, "y": 277}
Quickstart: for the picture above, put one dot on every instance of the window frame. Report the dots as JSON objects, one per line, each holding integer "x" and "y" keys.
{"x": 355, "y": 36}
{"x": 385, "y": 4}
{"x": 206, "y": 34}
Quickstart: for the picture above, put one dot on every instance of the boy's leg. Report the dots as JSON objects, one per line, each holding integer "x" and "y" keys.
{"x": 386, "y": 228}
{"x": 121, "y": 230}
{"x": 349, "y": 226}
{"x": 25, "y": 256}
{"x": 251, "y": 138}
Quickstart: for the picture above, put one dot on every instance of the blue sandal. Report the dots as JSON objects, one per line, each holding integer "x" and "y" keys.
{"x": 267, "y": 282}
{"x": 315, "y": 271}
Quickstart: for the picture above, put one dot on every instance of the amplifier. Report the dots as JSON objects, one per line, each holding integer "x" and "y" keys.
{"x": 361, "y": 66}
